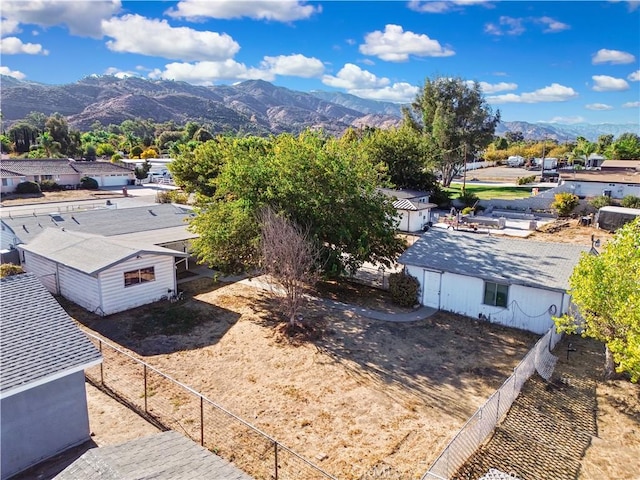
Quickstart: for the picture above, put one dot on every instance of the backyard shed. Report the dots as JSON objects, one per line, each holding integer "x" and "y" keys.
{"x": 43, "y": 354}
{"x": 413, "y": 208}
{"x": 512, "y": 282}
{"x": 611, "y": 218}
{"x": 104, "y": 275}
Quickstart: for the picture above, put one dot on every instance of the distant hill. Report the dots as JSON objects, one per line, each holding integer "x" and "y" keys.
{"x": 253, "y": 107}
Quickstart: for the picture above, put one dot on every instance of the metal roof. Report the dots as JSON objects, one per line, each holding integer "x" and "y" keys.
{"x": 163, "y": 456}
{"x": 524, "y": 262}
{"x": 38, "y": 340}
{"x": 88, "y": 253}
{"x": 405, "y": 204}
{"x": 104, "y": 221}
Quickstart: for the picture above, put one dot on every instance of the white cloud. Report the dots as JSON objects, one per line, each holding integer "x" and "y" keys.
{"x": 552, "y": 93}
{"x": 9, "y": 27}
{"x": 395, "y": 45}
{"x": 553, "y": 26}
{"x": 512, "y": 26}
{"x": 631, "y": 105}
{"x": 431, "y": 6}
{"x": 494, "y": 87}
{"x": 15, "y": 46}
{"x": 207, "y": 73}
{"x": 81, "y": 18}
{"x": 278, "y": 10}
{"x": 137, "y": 34}
{"x": 400, "y": 92}
{"x": 634, "y": 76}
{"x": 605, "y": 83}
{"x": 12, "y": 73}
{"x": 293, "y": 65}
{"x": 352, "y": 77}
{"x": 612, "y": 56}
{"x": 569, "y": 120}
{"x": 598, "y": 106}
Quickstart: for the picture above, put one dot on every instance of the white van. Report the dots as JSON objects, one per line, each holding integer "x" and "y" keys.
{"x": 515, "y": 161}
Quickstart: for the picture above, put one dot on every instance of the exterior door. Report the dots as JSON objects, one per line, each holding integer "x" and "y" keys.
{"x": 431, "y": 289}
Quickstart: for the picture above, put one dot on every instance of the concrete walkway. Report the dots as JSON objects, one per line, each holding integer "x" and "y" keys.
{"x": 261, "y": 283}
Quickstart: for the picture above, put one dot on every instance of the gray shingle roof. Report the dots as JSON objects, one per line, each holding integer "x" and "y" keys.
{"x": 60, "y": 167}
{"x": 88, "y": 253}
{"x": 524, "y": 262}
{"x": 164, "y": 456}
{"x": 37, "y": 337}
{"x": 403, "y": 193}
{"x": 105, "y": 222}
{"x": 95, "y": 168}
{"x": 4, "y": 173}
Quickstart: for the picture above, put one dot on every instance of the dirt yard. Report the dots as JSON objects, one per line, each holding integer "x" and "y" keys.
{"x": 359, "y": 395}
{"x": 11, "y": 199}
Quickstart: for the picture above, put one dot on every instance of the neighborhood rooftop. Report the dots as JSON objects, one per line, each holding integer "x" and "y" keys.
{"x": 88, "y": 253}
{"x": 60, "y": 167}
{"x": 535, "y": 264}
{"x": 164, "y": 456}
{"x": 107, "y": 222}
{"x": 38, "y": 340}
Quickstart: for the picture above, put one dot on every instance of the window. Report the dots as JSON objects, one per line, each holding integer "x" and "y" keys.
{"x": 143, "y": 275}
{"x": 496, "y": 294}
{"x": 5, "y": 182}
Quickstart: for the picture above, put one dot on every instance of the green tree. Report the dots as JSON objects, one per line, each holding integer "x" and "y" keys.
{"x": 564, "y": 203}
{"x": 142, "y": 171}
{"x": 604, "y": 142}
{"x": 50, "y": 147}
{"x": 22, "y": 136}
{"x": 455, "y": 119}
{"x": 57, "y": 126}
{"x": 583, "y": 150}
{"x": 625, "y": 147}
{"x": 311, "y": 180}
{"x": 606, "y": 291}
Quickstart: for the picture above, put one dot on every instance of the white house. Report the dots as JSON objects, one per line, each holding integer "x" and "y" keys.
{"x": 104, "y": 275}
{"x": 413, "y": 207}
{"x": 616, "y": 179}
{"x": 43, "y": 355}
{"x": 512, "y": 282}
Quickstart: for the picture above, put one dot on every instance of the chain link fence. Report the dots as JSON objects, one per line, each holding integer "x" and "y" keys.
{"x": 172, "y": 405}
{"x": 483, "y": 422}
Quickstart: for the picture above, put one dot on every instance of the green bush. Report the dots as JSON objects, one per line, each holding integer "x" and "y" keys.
{"x": 599, "y": 202}
{"x": 467, "y": 210}
{"x": 172, "y": 196}
{"x": 404, "y": 289}
{"x": 630, "y": 201}
{"x": 468, "y": 198}
{"x": 28, "y": 187}
{"x": 88, "y": 183}
{"x": 526, "y": 180}
{"x": 50, "y": 186}
{"x": 9, "y": 269}
{"x": 564, "y": 203}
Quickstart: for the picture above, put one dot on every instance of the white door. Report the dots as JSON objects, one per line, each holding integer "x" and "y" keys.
{"x": 431, "y": 289}
{"x": 115, "y": 180}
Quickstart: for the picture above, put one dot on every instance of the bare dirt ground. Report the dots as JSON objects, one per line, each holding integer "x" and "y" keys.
{"x": 11, "y": 199}
{"x": 359, "y": 394}
{"x": 570, "y": 231}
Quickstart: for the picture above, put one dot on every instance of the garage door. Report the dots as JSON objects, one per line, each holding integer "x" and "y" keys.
{"x": 115, "y": 180}
{"x": 431, "y": 289}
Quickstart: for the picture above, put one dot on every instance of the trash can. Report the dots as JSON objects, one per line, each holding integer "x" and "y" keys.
{"x": 124, "y": 191}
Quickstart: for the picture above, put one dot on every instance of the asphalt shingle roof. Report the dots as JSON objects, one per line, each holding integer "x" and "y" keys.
{"x": 404, "y": 193}
{"x": 61, "y": 167}
{"x": 164, "y": 456}
{"x": 89, "y": 253}
{"x": 107, "y": 222}
{"x": 37, "y": 337}
{"x": 524, "y": 262}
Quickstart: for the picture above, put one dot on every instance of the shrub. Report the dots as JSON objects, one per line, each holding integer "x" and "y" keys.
{"x": 599, "y": 202}
{"x": 136, "y": 152}
{"x": 50, "y": 186}
{"x": 88, "y": 183}
{"x": 9, "y": 269}
{"x": 404, "y": 289}
{"x": 28, "y": 187}
{"x": 116, "y": 157}
{"x": 526, "y": 180}
{"x": 468, "y": 198}
{"x": 630, "y": 201}
{"x": 172, "y": 196}
{"x": 564, "y": 203}
{"x": 467, "y": 210}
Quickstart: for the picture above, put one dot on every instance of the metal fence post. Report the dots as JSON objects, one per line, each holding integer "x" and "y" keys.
{"x": 275, "y": 450}
{"x": 201, "y": 421}
{"x": 101, "y": 364}
{"x": 145, "y": 387}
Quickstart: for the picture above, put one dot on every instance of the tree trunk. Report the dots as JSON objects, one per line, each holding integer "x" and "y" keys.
{"x": 609, "y": 365}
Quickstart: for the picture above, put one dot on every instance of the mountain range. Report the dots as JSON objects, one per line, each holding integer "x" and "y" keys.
{"x": 251, "y": 107}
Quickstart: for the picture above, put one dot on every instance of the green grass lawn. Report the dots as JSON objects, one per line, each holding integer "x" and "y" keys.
{"x": 487, "y": 192}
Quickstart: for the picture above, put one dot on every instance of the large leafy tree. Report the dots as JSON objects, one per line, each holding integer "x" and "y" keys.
{"x": 606, "y": 290}
{"x": 316, "y": 182}
{"x": 455, "y": 119}
{"x": 625, "y": 147}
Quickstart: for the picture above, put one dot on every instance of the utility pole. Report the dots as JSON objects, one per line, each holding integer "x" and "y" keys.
{"x": 464, "y": 169}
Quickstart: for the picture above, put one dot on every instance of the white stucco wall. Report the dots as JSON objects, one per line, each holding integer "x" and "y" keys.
{"x": 595, "y": 189}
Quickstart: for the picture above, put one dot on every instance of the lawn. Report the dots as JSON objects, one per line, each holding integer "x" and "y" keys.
{"x": 488, "y": 192}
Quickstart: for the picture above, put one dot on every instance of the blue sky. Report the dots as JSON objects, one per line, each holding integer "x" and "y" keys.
{"x": 541, "y": 61}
